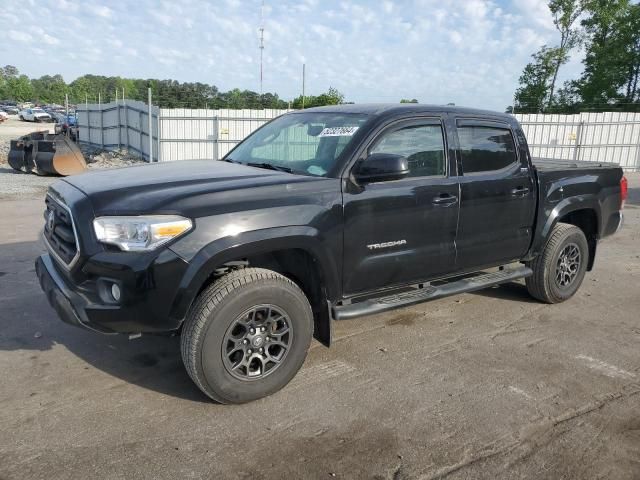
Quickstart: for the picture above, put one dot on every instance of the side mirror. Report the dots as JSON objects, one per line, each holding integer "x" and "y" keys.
{"x": 381, "y": 167}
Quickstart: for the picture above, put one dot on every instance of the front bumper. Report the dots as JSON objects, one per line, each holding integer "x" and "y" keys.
{"x": 69, "y": 305}
{"x": 148, "y": 291}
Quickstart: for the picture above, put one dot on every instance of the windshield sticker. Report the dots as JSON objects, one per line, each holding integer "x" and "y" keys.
{"x": 338, "y": 131}
{"x": 315, "y": 170}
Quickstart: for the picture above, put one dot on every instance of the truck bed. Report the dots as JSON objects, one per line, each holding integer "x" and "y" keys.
{"x": 558, "y": 164}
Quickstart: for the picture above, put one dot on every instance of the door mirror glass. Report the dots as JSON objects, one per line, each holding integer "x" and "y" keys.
{"x": 382, "y": 167}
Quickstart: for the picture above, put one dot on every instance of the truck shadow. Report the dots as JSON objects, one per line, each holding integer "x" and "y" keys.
{"x": 513, "y": 291}
{"x": 28, "y": 323}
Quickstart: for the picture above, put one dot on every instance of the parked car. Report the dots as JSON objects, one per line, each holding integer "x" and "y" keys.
{"x": 10, "y": 109}
{"x": 66, "y": 123}
{"x": 322, "y": 214}
{"x": 35, "y": 115}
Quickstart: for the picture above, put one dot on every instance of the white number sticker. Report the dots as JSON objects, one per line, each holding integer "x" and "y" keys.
{"x": 338, "y": 131}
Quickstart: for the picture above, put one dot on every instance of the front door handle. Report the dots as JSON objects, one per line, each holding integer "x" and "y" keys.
{"x": 445, "y": 200}
{"x": 519, "y": 192}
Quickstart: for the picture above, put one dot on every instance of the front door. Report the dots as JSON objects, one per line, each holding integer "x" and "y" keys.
{"x": 402, "y": 231}
{"x": 497, "y": 203}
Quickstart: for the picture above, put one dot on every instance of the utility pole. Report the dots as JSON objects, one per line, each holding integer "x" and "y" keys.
{"x": 150, "y": 128}
{"x": 303, "y": 74}
{"x": 66, "y": 113}
{"x": 261, "y": 44}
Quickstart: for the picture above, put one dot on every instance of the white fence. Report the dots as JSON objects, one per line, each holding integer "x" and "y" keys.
{"x": 122, "y": 124}
{"x": 598, "y": 137}
{"x": 177, "y": 134}
{"x": 185, "y": 134}
{"x": 206, "y": 134}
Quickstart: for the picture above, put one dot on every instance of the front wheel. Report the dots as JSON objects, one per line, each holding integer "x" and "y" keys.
{"x": 559, "y": 270}
{"x": 247, "y": 335}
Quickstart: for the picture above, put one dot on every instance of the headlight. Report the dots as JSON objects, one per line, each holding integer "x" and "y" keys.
{"x": 140, "y": 233}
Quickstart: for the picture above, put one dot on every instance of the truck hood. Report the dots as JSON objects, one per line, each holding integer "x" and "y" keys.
{"x": 192, "y": 188}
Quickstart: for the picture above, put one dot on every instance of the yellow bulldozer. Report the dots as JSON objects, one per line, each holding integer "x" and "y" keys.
{"x": 44, "y": 153}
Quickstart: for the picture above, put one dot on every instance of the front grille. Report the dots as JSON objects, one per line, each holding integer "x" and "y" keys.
{"x": 59, "y": 231}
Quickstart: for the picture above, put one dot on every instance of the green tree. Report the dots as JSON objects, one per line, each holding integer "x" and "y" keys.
{"x": 612, "y": 60}
{"x": 330, "y": 97}
{"x": 19, "y": 88}
{"x": 49, "y": 89}
{"x": 565, "y": 13}
{"x": 404, "y": 100}
{"x": 535, "y": 81}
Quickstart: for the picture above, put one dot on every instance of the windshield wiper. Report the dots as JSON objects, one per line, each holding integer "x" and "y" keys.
{"x": 269, "y": 166}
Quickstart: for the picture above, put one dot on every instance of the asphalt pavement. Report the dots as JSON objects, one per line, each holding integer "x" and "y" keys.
{"x": 485, "y": 385}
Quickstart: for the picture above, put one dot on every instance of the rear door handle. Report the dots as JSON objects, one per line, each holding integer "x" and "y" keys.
{"x": 445, "y": 200}
{"x": 519, "y": 192}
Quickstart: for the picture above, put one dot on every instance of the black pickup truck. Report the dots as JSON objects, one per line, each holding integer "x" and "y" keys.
{"x": 323, "y": 214}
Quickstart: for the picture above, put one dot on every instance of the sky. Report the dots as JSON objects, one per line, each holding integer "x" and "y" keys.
{"x": 468, "y": 52}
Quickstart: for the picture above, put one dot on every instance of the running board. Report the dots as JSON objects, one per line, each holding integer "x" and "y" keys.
{"x": 428, "y": 292}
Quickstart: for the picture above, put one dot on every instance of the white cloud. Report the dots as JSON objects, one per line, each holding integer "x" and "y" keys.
{"x": 49, "y": 40}
{"x": 455, "y": 37}
{"x": 466, "y": 51}
{"x": 100, "y": 10}
{"x": 20, "y": 36}
{"x": 164, "y": 18}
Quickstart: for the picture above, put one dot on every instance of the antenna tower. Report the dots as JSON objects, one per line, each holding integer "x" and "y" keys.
{"x": 261, "y": 42}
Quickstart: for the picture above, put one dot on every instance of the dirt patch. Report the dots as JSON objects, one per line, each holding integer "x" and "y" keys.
{"x": 406, "y": 319}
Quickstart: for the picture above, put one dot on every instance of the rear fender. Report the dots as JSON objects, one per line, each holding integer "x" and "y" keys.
{"x": 561, "y": 209}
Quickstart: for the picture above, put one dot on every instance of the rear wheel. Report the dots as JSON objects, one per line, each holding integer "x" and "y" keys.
{"x": 559, "y": 270}
{"x": 247, "y": 335}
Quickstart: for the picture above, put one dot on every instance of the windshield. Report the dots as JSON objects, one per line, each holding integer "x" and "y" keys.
{"x": 303, "y": 143}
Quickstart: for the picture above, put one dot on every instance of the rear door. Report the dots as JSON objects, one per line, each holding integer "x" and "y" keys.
{"x": 402, "y": 231}
{"x": 497, "y": 202}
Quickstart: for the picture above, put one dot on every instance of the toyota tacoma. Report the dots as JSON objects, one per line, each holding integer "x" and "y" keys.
{"x": 320, "y": 215}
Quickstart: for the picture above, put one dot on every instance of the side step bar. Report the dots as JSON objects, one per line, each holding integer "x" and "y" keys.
{"x": 428, "y": 292}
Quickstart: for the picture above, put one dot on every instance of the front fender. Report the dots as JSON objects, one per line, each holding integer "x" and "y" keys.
{"x": 203, "y": 264}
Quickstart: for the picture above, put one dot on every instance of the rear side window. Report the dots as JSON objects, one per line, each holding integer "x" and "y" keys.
{"x": 422, "y": 145}
{"x": 485, "y": 149}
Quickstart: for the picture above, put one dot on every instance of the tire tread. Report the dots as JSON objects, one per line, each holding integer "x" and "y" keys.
{"x": 537, "y": 284}
{"x": 213, "y": 295}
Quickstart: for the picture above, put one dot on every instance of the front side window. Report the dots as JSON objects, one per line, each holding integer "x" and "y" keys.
{"x": 485, "y": 149}
{"x": 306, "y": 143}
{"x": 421, "y": 145}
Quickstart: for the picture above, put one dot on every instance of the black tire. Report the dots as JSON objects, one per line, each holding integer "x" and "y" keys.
{"x": 217, "y": 310}
{"x": 21, "y": 118}
{"x": 544, "y": 284}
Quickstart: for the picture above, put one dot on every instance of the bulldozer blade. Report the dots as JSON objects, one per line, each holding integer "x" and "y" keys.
{"x": 67, "y": 159}
{"x": 46, "y": 154}
{"x": 17, "y": 154}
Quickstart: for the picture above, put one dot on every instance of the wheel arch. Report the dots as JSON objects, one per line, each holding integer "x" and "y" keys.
{"x": 583, "y": 213}
{"x": 296, "y": 252}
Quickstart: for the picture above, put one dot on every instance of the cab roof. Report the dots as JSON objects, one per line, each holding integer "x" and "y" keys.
{"x": 392, "y": 109}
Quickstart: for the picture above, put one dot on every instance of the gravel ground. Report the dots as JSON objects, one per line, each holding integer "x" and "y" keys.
{"x": 17, "y": 184}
